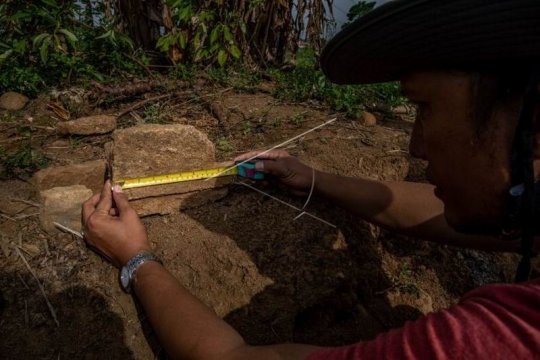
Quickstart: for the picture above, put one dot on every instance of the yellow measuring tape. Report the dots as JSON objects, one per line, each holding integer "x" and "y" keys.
{"x": 176, "y": 177}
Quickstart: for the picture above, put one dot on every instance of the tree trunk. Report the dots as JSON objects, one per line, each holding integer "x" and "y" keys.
{"x": 142, "y": 20}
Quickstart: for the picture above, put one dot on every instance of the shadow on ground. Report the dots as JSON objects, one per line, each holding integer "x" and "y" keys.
{"x": 88, "y": 329}
{"x": 328, "y": 285}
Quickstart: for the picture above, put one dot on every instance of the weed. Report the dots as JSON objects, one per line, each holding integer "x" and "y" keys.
{"x": 297, "y": 119}
{"x": 247, "y": 128}
{"x": 7, "y": 118}
{"x": 22, "y": 162}
{"x": 307, "y": 82}
{"x": 224, "y": 146}
{"x": 276, "y": 122}
{"x": 153, "y": 114}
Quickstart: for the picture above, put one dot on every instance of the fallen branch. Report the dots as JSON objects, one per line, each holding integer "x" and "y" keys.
{"x": 143, "y": 103}
{"x": 49, "y": 305}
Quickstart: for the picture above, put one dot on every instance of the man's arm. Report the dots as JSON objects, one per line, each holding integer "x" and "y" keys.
{"x": 408, "y": 208}
{"x": 185, "y": 327}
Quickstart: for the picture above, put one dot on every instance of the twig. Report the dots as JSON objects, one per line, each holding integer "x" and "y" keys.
{"x": 134, "y": 59}
{"x": 144, "y": 102}
{"x": 23, "y": 282}
{"x": 273, "y": 148}
{"x": 302, "y": 212}
{"x": 68, "y": 230}
{"x": 49, "y": 305}
{"x": 17, "y": 218}
{"x": 26, "y": 201}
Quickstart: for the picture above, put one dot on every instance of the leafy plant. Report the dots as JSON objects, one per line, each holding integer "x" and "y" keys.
{"x": 307, "y": 82}
{"x": 22, "y": 162}
{"x": 47, "y": 43}
{"x": 358, "y": 10}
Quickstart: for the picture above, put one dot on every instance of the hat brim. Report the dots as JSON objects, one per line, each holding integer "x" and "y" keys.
{"x": 406, "y": 35}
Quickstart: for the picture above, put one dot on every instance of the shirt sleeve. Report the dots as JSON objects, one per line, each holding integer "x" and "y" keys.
{"x": 492, "y": 322}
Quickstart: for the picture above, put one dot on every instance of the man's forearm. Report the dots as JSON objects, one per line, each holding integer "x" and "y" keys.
{"x": 405, "y": 207}
{"x": 188, "y": 329}
{"x": 185, "y": 327}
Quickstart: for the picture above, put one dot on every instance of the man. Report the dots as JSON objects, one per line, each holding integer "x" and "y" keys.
{"x": 478, "y": 126}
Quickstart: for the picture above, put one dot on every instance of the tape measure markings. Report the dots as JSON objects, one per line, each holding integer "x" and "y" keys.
{"x": 176, "y": 177}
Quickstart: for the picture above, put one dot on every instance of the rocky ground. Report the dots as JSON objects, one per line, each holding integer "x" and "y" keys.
{"x": 273, "y": 278}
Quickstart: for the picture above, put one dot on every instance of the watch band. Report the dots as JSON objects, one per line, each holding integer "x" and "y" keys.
{"x": 128, "y": 271}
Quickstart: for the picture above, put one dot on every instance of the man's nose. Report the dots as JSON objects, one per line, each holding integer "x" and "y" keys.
{"x": 416, "y": 146}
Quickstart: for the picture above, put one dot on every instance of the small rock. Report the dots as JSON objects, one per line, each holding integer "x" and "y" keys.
{"x": 91, "y": 125}
{"x": 368, "y": 119}
{"x": 63, "y": 205}
{"x": 90, "y": 174}
{"x": 13, "y": 101}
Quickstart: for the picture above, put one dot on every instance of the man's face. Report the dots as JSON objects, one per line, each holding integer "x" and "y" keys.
{"x": 471, "y": 172}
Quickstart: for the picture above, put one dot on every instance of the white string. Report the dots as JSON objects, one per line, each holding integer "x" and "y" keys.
{"x": 302, "y": 212}
{"x": 312, "y": 187}
{"x": 272, "y": 148}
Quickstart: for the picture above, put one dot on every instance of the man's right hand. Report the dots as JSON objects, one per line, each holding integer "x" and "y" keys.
{"x": 288, "y": 169}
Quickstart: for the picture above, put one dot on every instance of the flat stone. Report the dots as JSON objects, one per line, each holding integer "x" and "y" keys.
{"x": 171, "y": 204}
{"x": 90, "y": 125}
{"x": 90, "y": 174}
{"x": 148, "y": 150}
{"x": 13, "y": 101}
{"x": 63, "y": 205}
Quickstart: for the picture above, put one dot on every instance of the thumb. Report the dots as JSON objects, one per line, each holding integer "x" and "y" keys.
{"x": 121, "y": 200}
{"x": 273, "y": 167}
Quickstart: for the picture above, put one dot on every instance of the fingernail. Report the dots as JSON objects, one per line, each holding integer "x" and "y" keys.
{"x": 259, "y": 165}
{"x": 117, "y": 188}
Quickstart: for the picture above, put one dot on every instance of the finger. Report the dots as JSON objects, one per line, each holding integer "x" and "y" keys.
{"x": 272, "y": 167}
{"x": 105, "y": 203}
{"x": 89, "y": 207}
{"x": 262, "y": 154}
{"x": 113, "y": 212}
{"x": 121, "y": 200}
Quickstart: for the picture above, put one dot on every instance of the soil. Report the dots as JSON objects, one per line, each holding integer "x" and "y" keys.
{"x": 272, "y": 278}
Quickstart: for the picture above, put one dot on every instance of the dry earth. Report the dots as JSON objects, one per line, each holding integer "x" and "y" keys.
{"x": 274, "y": 279}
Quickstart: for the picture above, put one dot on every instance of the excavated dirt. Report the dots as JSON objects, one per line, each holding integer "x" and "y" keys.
{"x": 274, "y": 279}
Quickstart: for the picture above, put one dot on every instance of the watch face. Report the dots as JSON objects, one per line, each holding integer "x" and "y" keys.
{"x": 124, "y": 277}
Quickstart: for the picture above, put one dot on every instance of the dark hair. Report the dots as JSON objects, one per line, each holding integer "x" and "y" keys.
{"x": 492, "y": 91}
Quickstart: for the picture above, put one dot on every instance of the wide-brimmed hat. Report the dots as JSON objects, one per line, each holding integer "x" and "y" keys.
{"x": 406, "y": 35}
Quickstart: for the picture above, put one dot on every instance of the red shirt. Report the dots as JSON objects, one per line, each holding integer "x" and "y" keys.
{"x": 492, "y": 322}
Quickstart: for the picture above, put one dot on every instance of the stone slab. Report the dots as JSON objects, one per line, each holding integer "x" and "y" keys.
{"x": 90, "y": 125}
{"x": 163, "y": 149}
{"x": 90, "y": 174}
{"x": 63, "y": 205}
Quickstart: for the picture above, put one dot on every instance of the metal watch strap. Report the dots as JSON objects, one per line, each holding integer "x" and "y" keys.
{"x": 127, "y": 272}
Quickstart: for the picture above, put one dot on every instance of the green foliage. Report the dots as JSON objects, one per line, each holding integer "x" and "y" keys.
{"x": 240, "y": 78}
{"x": 45, "y": 43}
{"x": 307, "y": 82}
{"x": 297, "y": 119}
{"x": 21, "y": 162}
{"x": 204, "y": 35}
{"x": 225, "y": 146}
{"x": 153, "y": 114}
{"x": 358, "y": 10}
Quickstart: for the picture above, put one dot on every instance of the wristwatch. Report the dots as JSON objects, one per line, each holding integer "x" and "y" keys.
{"x": 128, "y": 271}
